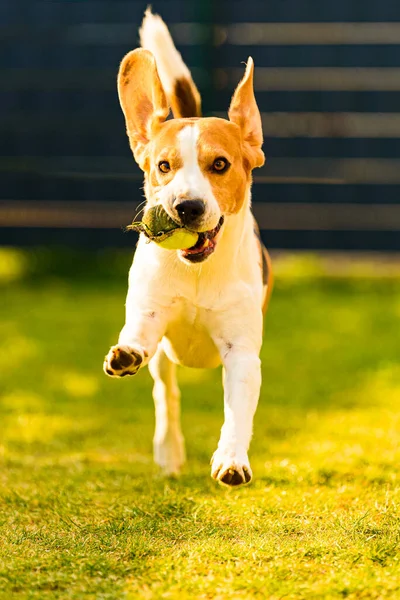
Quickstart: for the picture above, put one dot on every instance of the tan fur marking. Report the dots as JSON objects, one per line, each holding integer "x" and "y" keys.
{"x": 244, "y": 112}
{"x": 165, "y": 146}
{"x": 220, "y": 138}
{"x": 217, "y": 138}
{"x": 142, "y": 99}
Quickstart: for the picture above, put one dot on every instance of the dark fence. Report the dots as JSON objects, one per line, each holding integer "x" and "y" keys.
{"x": 327, "y": 84}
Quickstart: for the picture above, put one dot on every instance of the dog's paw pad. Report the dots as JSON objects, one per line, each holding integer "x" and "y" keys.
{"x": 233, "y": 477}
{"x": 231, "y": 469}
{"x": 122, "y": 361}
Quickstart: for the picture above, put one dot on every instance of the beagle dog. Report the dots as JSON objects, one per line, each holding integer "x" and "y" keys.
{"x": 203, "y": 306}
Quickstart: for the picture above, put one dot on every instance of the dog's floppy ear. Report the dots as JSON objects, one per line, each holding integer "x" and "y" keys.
{"x": 142, "y": 99}
{"x": 244, "y": 112}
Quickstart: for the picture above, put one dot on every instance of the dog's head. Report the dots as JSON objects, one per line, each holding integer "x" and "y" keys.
{"x": 199, "y": 169}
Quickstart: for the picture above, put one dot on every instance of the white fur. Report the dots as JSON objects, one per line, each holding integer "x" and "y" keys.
{"x": 199, "y": 316}
{"x": 154, "y": 36}
{"x": 169, "y": 445}
{"x": 189, "y": 182}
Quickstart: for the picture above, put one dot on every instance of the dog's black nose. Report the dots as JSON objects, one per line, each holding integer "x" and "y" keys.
{"x": 190, "y": 211}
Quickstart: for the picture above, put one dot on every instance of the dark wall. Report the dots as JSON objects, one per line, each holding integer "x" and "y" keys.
{"x": 327, "y": 84}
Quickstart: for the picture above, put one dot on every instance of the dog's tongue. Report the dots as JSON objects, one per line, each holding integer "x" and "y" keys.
{"x": 205, "y": 239}
{"x": 202, "y": 243}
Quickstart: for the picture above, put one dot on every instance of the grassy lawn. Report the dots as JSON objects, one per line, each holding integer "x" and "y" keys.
{"x": 84, "y": 513}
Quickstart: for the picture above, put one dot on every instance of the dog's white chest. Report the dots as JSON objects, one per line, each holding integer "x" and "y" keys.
{"x": 187, "y": 340}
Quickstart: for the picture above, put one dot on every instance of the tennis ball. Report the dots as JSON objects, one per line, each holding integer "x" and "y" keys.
{"x": 158, "y": 227}
{"x": 179, "y": 239}
{"x": 158, "y": 221}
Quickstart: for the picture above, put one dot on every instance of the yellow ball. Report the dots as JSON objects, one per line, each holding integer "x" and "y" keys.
{"x": 178, "y": 239}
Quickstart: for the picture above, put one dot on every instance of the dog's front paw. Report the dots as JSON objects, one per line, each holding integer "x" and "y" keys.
{"x": 122, "y": 361}
{"x": 231, "y": 468}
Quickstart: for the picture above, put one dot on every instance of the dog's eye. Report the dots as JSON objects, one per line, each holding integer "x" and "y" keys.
{"x": 220, "y": 165}
{"x": 164, "y": 166}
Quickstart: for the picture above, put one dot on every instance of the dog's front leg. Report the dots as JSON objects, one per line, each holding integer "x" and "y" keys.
{"x": 242, "y": 381}
{"x": 137, "y": 341}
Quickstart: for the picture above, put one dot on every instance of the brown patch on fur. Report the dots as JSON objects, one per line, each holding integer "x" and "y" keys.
{"x": 266, "y": 267}
{"x": 263, "y": 262}
{"x": 217, "y": 138}
{"x": 220, "y": 138}
{"x": 183, "y": 100}
{"x": 127, "y": 68}
{"x": 142, "y": 99}
{"x": 270, "y": 281}
{"x": 165, "y": 146}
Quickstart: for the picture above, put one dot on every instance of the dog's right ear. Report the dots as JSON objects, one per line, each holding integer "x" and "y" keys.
{"x": 142, "y": 99}
{"x": 244, "y": 112}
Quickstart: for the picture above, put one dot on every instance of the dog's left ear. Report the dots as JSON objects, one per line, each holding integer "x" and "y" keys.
{"x": 244, "y": 112}
{"x": 142, "y": 99}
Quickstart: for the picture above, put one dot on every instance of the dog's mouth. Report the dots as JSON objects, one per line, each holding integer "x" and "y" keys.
{"x": 204, "y": 246}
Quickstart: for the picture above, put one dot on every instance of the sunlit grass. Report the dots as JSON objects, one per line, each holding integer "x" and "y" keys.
{"x": 13, "y": 264}
{"x": 84, "y": 513}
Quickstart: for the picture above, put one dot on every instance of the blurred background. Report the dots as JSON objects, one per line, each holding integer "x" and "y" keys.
{"x": 83, "y": 512}
{"x": 327, "y": 84}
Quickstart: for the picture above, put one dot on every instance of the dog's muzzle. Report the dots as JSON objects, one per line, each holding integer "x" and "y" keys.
{"x": 205, "y": 245}
{"x": 190, "y": 212}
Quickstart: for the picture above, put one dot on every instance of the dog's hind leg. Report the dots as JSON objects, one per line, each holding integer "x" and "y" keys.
{"x": 169, "y": 445}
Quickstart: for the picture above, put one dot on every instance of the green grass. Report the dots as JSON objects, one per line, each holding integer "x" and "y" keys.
{"x": 84, "y": 513}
